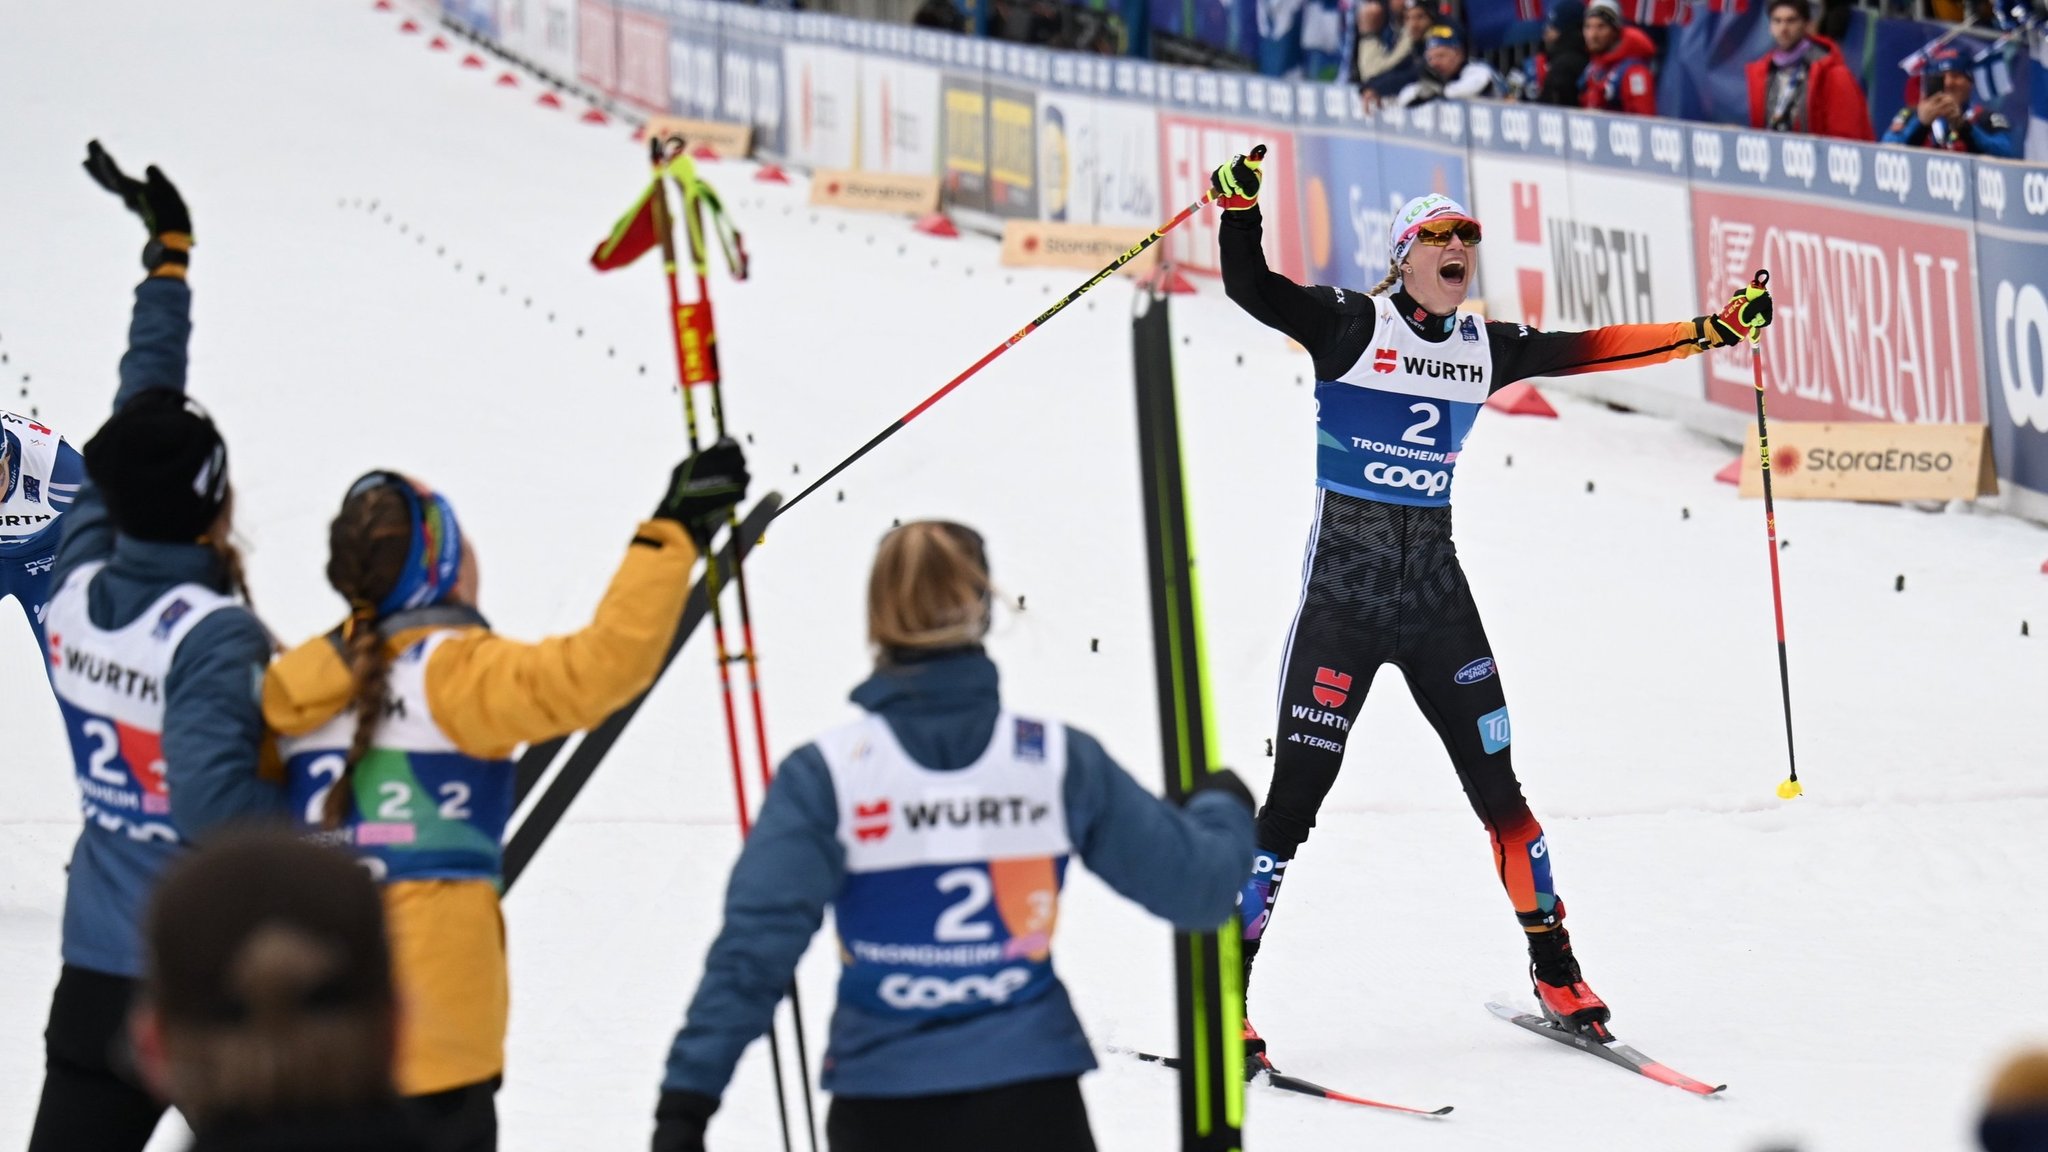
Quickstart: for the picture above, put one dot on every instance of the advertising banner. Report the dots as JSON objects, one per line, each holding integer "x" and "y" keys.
{"x": 2012, "y": 265}
{"x": 693, "y": 79}
{"x": 1098, "y": 161}
{"x": 726, "y": 139}
{"x": 963, "y": 140}
{"x": 597, "y": 60}
{"x": 750, "y": 74}
{"x": 1875, "y": 317}
{"x": 821, "y": 89}
{"x": 875, "y": 191}
{"x": 1012, "y": 151}
{"x": 518, "y": 25}
{"x": 1351, "y": 186}
{"x": 899, "y": 116}
{"x": 1190, "y": 147}
{"x": 551, "y": 35}
{"x": 1865, "y": 461}
{"x": 643, "y": 60}
{"x": 1044, "y": 244}
{"x": 480, "y": 17}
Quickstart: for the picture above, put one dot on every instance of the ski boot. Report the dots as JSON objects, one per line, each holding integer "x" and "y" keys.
{"x": 1562, "y": 991}
{"x": 1255, "y": 1060}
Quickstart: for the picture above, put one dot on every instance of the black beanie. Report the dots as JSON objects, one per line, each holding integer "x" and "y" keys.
{"x": 161, "y": 466}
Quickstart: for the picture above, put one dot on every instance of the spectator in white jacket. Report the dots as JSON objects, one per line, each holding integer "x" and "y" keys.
{"x": 1447, "y": 71}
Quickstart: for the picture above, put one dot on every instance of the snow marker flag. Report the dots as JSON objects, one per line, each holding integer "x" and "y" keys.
{"x": 632, "y": 237}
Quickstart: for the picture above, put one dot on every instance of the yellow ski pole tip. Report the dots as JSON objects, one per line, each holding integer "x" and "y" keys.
{"x": 1788, "y": 789}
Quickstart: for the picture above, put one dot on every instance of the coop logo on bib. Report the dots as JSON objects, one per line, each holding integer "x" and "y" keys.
{"x": 907, "y": 992}
{"x": 1427, "y": 481}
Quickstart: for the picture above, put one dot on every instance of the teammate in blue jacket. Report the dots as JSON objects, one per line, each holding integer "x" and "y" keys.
{"x": 938, "y": 828}
{"x": 156, "y": 664}
{"x": 39, "y": 477}
{"x": 1400, "y": 378}
{"x": 1949, "y": 116}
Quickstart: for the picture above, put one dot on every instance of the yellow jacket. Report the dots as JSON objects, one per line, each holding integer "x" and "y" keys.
{"x": 489, "y": 694}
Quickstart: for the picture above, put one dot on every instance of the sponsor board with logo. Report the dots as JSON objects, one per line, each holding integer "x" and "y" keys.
{"x": 1874, "y": 321}
{"x": 750, "y": 87}
{"x": 1012, "y": 128}
{"x": 2012, "y": 269}
{"x": 899, "y": 116}
{"x": 1350, "y": 187}
{"x": 963, "y": 140}
{"x": 1098, "y": 160}
{"x": 693, "y": 61}
{"x": 478, "y": 17}
{"x": 1052, "y": 244}
{"x": 1867, "y": 461}
{"x": 643, "y": 55}
{"x": 727, "y": 139}
{"x": 821, "y": 94}
{"x": 1921, "y": 181}
{"x": 1189, "y": 149}
{"x": 597, "y": 42}
{"x": 875, "y": 191}
{"x": 1579, "y": 246}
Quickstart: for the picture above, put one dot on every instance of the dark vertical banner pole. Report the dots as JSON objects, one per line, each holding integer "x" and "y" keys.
{"x": 1208, "y": 967}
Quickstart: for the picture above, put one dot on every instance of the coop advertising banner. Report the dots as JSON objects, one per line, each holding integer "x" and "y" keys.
{"x": 750, "y": 88}
{"x": 597, "y": 60}
{"x": 2012, "y": 266}
{"x": 899, "y": 116}
{"x": 693, "y": 63}
{"x": 1190, "y": 147}
{"x": 1098, "y": 161}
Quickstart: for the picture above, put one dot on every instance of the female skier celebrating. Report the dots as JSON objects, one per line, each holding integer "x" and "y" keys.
{"x": 1399, "y": 379}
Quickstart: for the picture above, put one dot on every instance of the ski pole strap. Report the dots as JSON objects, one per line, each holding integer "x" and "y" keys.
{"x": 699, "y": 193}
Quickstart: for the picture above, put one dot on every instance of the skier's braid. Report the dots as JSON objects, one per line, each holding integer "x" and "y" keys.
{"x": 366, "y": 549}
{"x": 1393, "y": 274}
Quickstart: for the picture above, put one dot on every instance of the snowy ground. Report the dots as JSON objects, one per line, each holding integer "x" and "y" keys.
{"x": 1851, "y": 964}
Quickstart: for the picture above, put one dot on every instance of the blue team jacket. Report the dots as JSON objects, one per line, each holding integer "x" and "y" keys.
{"x": 213, "y": 721}
{"x": 1184, "y": 865}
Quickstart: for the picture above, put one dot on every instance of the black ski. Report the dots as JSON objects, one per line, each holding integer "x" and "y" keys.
{"x": 583, "y": 762}
{"x": 1281, "y": 1080}
{"x": 1620, "y": 1055}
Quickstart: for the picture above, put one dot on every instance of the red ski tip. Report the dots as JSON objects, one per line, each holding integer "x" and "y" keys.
{"x": 936, "y": 224}
{"x": 472, "y": 61}
{"x": 437, "y": 44}
{"x": 770, "y": 174}
{"x": 705, "y": 152}
{"x": 549, "y": 100}
{"x": 594, "y": 115}
{"x": 1731, "y": 473}
{"x": 1521, "y": 399}
{"x": 409, "y": 27}
{"x": 507, "y": 80}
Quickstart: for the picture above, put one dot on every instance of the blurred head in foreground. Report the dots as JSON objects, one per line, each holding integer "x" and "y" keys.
{"x": 929, "y": 590}
{"x": 2016, "y": 1115}
{"x": 268, "y": 992}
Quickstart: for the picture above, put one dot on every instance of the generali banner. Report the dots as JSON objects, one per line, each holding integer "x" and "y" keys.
{"x": 1864, "y": 461}
{"x": 875, "y": 191}
{"x": 1043, "y": 244}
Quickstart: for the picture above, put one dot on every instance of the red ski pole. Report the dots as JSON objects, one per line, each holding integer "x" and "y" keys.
{"x": 1790, "y": 786}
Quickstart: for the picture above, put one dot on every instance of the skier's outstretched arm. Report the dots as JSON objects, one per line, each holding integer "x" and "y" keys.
{"x": 1183, "y": 864}
{"x": 1320, "y": 319}
{"x": 1520, "y": 352}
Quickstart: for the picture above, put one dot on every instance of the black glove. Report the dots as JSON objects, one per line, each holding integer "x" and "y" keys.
{"x": 155, "y": 199}
{"x": 1225, "y": 781}
{"x": 703, "y": 488}
{"x": 1235, "y": 185}
{"x": 679, "y": 1121}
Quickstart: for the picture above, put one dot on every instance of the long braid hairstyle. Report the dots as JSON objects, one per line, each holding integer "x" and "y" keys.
{"x": 366, "y": 551}
{"x": 1393, "y": 274}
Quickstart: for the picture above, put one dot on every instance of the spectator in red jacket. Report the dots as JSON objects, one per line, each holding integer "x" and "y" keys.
{"x": 1619, "y": 78}
{"x": 1803, "y": 84}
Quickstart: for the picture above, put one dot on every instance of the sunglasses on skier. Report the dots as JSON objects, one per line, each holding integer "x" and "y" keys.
{"x": 1438, "y": 233}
